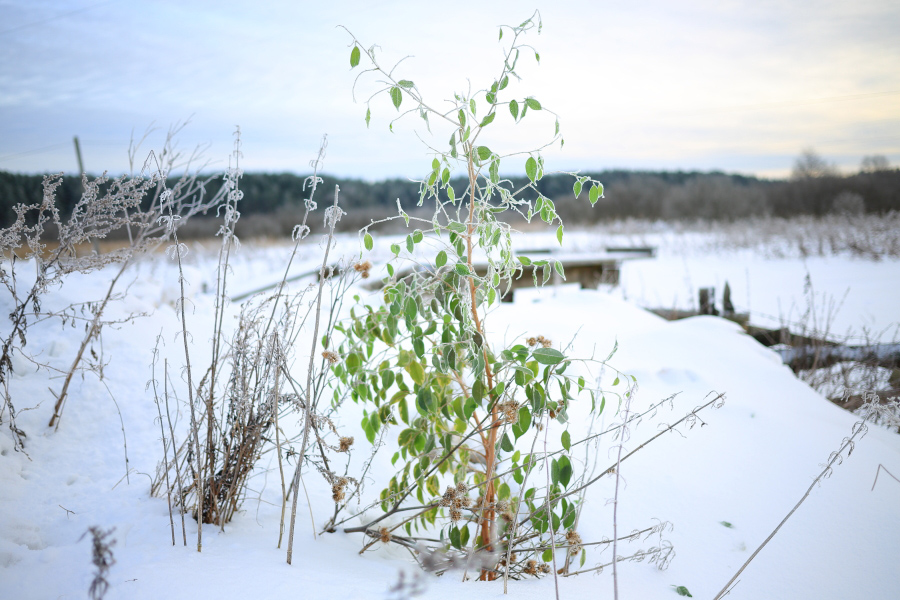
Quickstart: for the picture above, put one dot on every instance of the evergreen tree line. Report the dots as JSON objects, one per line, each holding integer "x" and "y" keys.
{"x": 272, "y": 201}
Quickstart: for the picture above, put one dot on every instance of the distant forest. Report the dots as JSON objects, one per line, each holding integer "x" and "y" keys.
{"x": 272, "y": 201}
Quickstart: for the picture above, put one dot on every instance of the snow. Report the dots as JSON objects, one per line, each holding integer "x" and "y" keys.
{"x": 747, "y": 463}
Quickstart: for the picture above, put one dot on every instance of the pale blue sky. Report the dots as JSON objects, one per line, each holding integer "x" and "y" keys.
{"x": 741, "y": 86}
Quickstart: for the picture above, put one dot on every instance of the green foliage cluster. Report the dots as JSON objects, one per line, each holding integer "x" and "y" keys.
{"x": 421, "y": 362}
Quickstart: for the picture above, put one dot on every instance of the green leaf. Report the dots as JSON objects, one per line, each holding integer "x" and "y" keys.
{"x": 396, "y": 97}
{"x": 554, "y": 471}
{"x": 504, "y": 82}
{"x": 409, "y": 244}
{"x": 727, "y": 524}
{"x": 505, "y": 444}
{"x": 354, "y": 57}
{"x": 547, "y": 556}
{"x": 405, "y": 83}
{"x": 548, "y": 356}
{"x": 560, "y": 270}
{"x": 445, "y": 176}
{"x": 682, "y": 591}
{"x": 595, "y": 193}
{"x": 417, "y": 372}
{"x": 462, "y": 118}
{"x": 472, "y": 106}
{"x": 462, "y": 269}
{"x": 488, "y": 119}
{"x": 417, "y": 236}
{"x": 559, "y": 234}
{"x": 406, "y": 436}
{"x": 531, "y": 168}
{"x": 411, "y": 309}
{"x": 525, "y": 260}
{"x": 454, "y": 537}
{"x": 537, "y": 57}
{"x": 566, "y": 440}
{"x": 501, "y": 35}
{"x": 577, "y": 188}
{"x": 532, "y": 104}
{"x": 557, "y": 128}
{"x": 565, "y": 470}
{"x": 367, "y": 240}
{"x": 477, "y": 391}
{"x": 395, "y": 249}
{"x": 368, "y": 116}
{"x": 483, "y": 152}
{"x": 514, "y": 109}
{"x": 503, "y": 491}
{"x": 441, "y": 259}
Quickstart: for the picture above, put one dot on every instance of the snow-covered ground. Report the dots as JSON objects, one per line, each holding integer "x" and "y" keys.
{"x": 747, "y": 464}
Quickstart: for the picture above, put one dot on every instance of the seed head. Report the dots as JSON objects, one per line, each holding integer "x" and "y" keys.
{"x": 510, "y": 411}
{"x": 448, "y": 497}
{"x": 337, "y": 488}
{"x": 384, "y": 535}
{"x": 455, "y": 514}
{"x": 337, "y": 492}
{"x": 574, "y": 541}
{"x": 331, "y": 356}
{"x": 346, "y": 442}
{"x": 363, "y": 268}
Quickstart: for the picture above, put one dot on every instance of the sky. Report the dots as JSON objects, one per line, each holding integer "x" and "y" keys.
{"x": 742, "y": 86}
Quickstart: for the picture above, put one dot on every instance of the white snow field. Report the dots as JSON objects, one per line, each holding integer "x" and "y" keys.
{"x": 746, "y": 464}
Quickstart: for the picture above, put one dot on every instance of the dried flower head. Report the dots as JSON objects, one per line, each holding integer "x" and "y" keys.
{"x": 509, "y": 411}
{"x": 544, "y": 568}
{"x": 455, "y": 514}
{"x": 502, "y": 506}
{"x": 544, "y": 342}
{"x": 337, "y": 488}
{"x": 384, "y": 535}
{"x": 531, "y": 567}
{"x": 574, "y": 541}
{"x": 462, "y": 488}
{"x": 346, "y": 442}
{"x": 337, "y": 492}
{"x": 331, "y": 356}
{"x": 363, "y": 268}
{"x": 448, "y": 497}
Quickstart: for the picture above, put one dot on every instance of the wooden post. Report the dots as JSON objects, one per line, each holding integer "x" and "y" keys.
{"x": 94, "y": 242}
{"x": 708, "y": 301}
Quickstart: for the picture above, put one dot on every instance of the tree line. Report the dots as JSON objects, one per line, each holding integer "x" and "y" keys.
{"x": 814, "y": 188}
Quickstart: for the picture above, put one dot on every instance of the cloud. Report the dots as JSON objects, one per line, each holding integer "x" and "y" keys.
{"x": 735, "y": 85}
